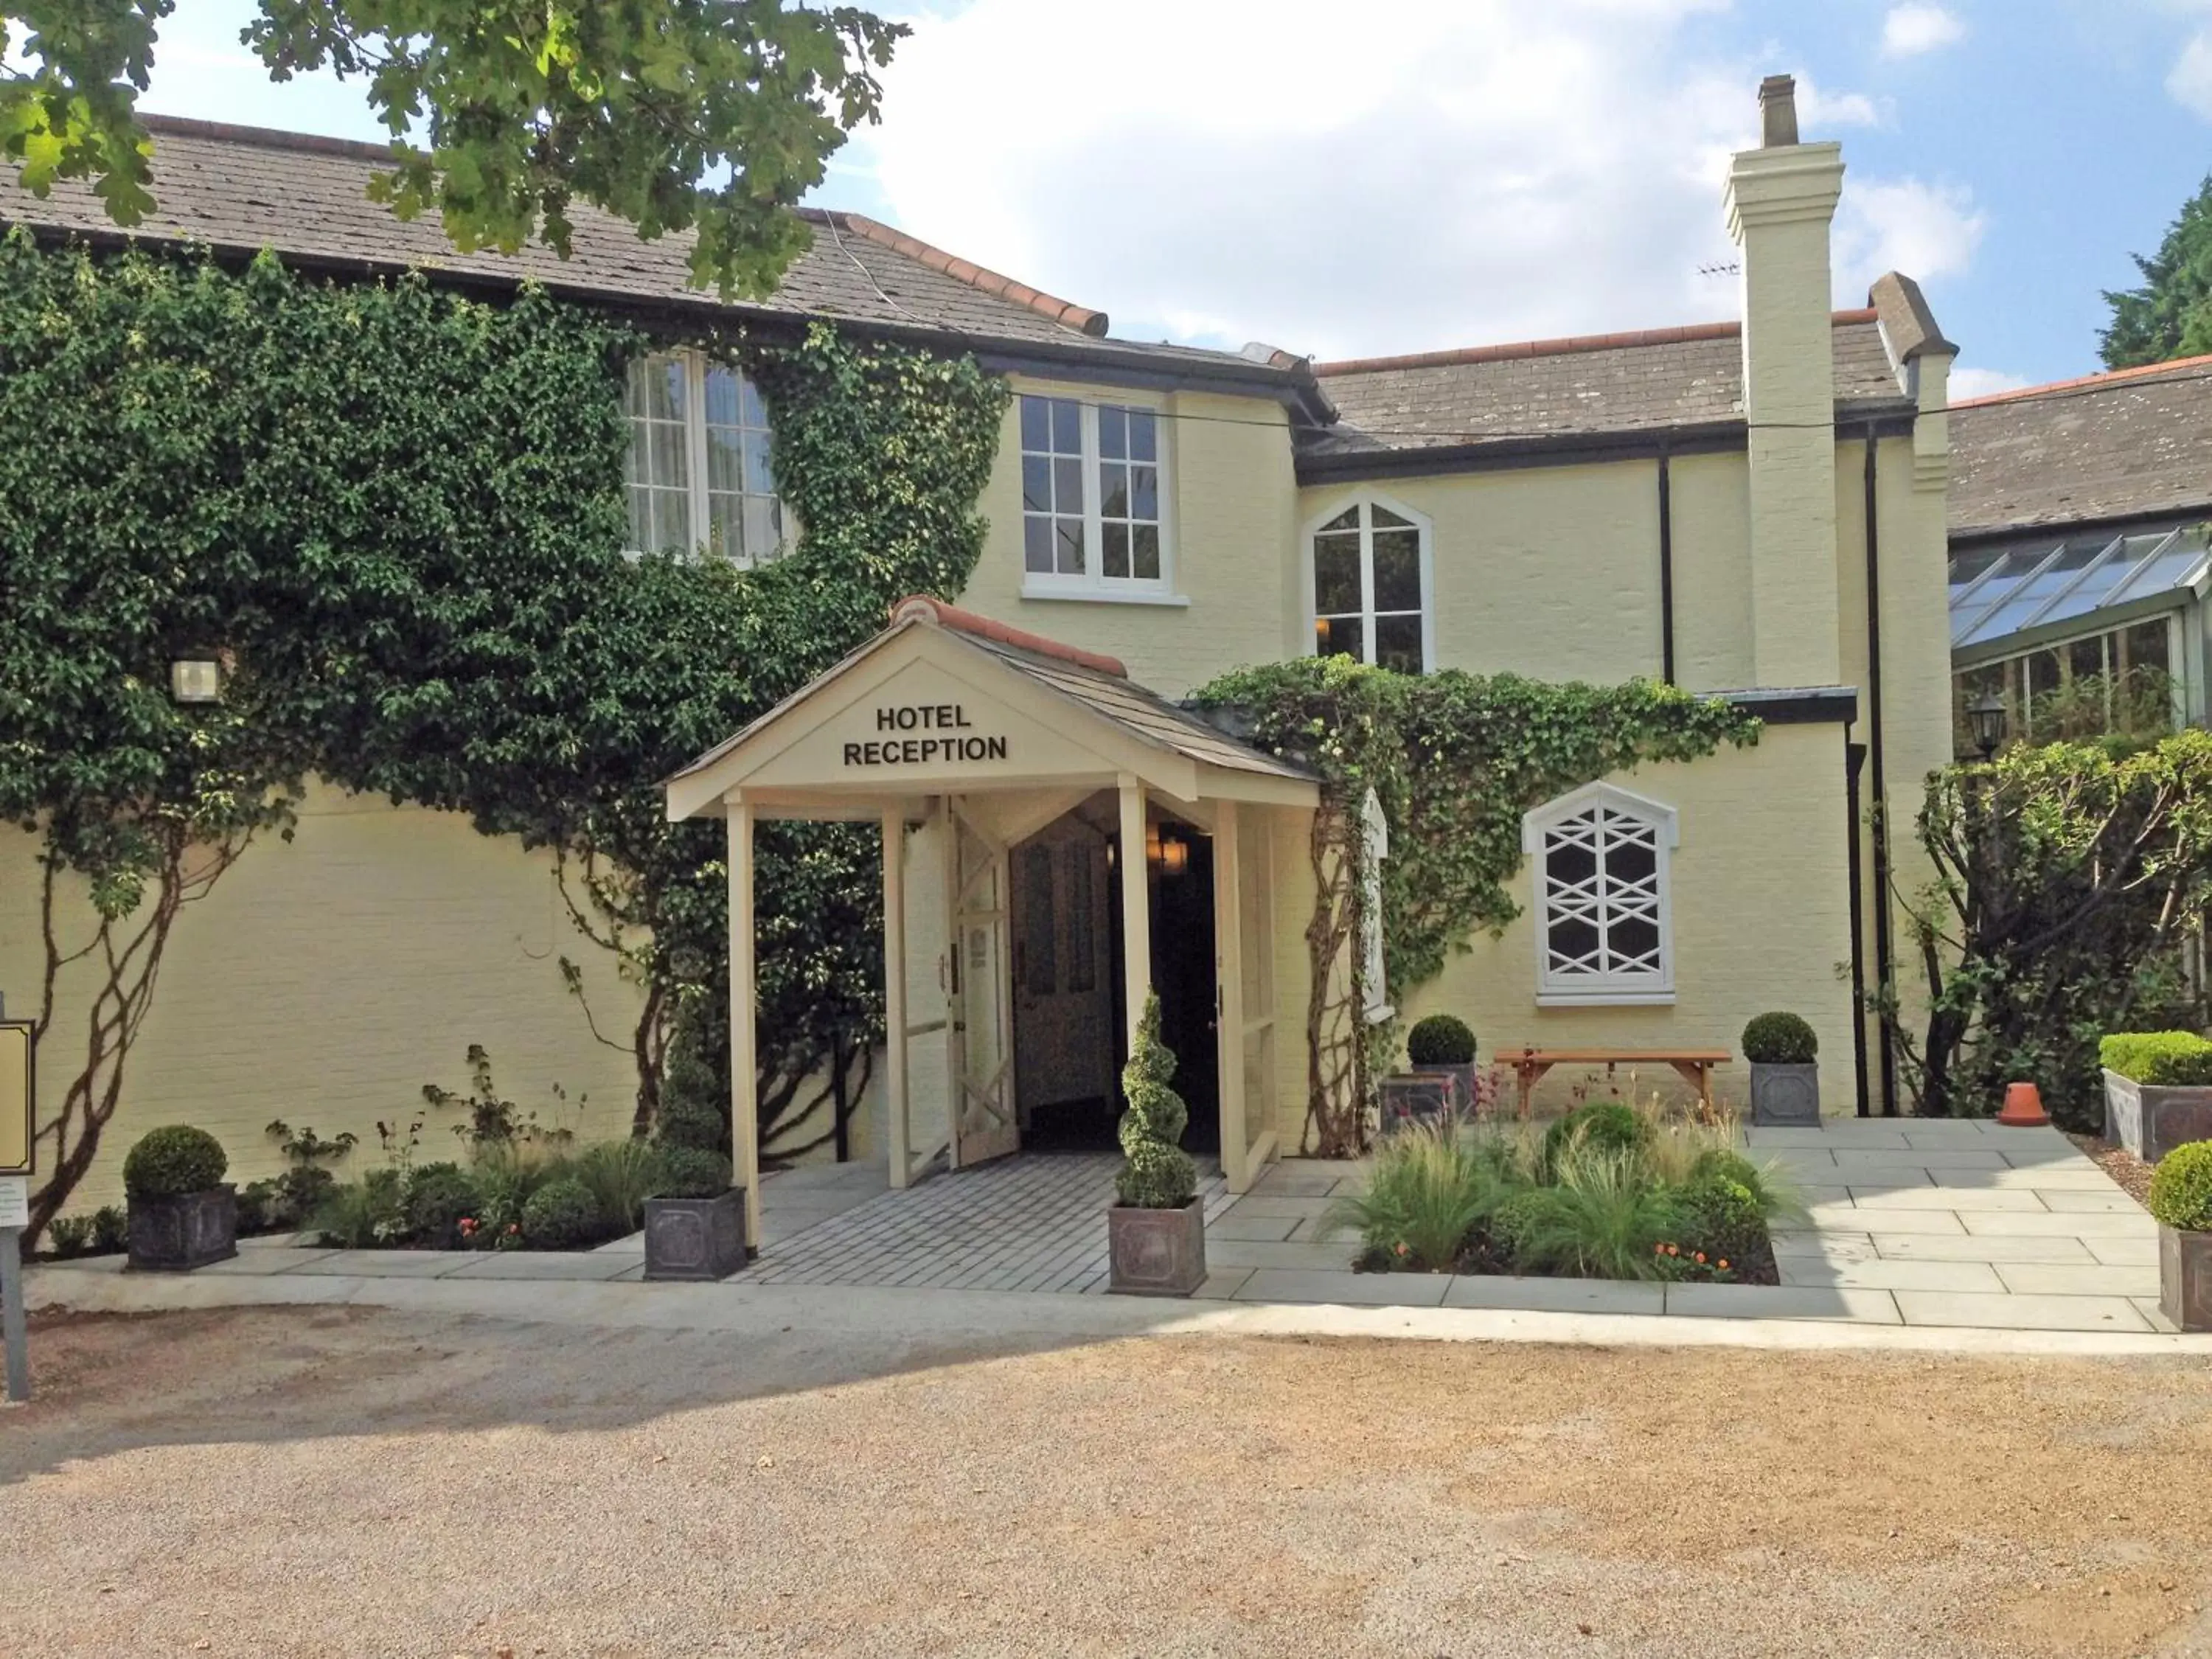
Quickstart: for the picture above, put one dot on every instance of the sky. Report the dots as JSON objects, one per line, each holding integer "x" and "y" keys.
{"x": 1408, "y": 175}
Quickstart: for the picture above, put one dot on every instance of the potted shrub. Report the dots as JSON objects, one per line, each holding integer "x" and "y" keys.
{"x": 182, "y": 1213}
{"x": 694, "y": 1222}
{"x": 1157, "y": 1234}
{"x": 1785, "y": 1078}
{"x": 1439, "y": 1083}
{"x": 2181, "y": 1202}
{"x": 2158, "y": 1091}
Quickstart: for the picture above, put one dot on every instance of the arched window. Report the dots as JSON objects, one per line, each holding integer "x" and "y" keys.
{"x": 1605, "y": 926}
{"x": 1369, "y": 565}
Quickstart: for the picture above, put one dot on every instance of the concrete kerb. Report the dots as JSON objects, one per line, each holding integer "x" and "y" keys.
{"x": 930, "y": 1316}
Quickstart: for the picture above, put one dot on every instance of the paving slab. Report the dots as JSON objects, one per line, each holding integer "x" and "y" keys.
{"x": 545, "y": 1265}
{"x": 1878, "y": 1217}
{"x": 1222, "y": 1283}
{"x": 2148, "y": 1308}
{"x": 2128, "y": 1251}
{"x": 1240, "y": 1223}
{"x": 2021, "y": 1313}
{"x": 2081, "y": 1178}
{"x": 1259, "y": 1203}
{"x": 1825, "y": 1137}
{"x": 1363, "y": 1289}
{"x": 1935, "y": 1133}
{"x": 2041, "y": 1222}
{"x": 1975, "y": 1157}
{"x": 1335, "y": 1256}
{"x": 264, "y": 1262}
{"x": 1837, "y": 1246}
{"x": 1886, "y": 1177}
{"x": 2039, "y": 1278}
{"x": 627, "y": 1244}
{"x": 1807, "y": 1194}
{"x": 1280, "y": 1182}
{"x": 2071, "y": 1201}
{"x": 1600, "y": 1295}
{"x": 1959, "y": 1199}
{"x": 1891, "y": 1273}
{"x": 386, "y": 1264}
{"x": 1783, "y": 1301}
{"x": 1947, "y": 1247}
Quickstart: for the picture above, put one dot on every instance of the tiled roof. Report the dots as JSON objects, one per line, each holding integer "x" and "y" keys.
{"x": 1604, "y": 383}
{"x": 242, "y": 189}
{"x": 2133, "y": 444}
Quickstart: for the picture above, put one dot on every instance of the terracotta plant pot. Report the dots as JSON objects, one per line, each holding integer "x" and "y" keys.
{"x": 696, "y": 1238}
{"x": 176, "y": 1234}
{"x": 1156, "y": 1251}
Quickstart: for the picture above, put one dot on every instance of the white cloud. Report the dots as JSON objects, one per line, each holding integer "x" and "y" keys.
{"x": 1819, "y": 111}
{"x": 1909, "y": 31}
{"x": 1926, "y": 231}
{"x": 2191, "y": 82}
{"x": 1982, "y": 382}
{"x": 1457, "y": 171}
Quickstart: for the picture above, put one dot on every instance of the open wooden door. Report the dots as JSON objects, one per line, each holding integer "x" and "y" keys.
{"x": 984, "y": 1125}
{"x": 1063, "y": 968}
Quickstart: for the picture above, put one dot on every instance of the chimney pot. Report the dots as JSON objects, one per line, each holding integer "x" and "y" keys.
{"x": 1777, "y": 109}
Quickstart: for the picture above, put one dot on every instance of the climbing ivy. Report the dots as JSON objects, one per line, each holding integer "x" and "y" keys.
{"x": 1455, "y": 760}
{"x": 398, "y": 513}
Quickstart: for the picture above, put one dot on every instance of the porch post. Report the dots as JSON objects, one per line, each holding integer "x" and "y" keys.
{"x": 745, "y": 1082}
{"x": 1229, "y": 995}
{"x": 894, "y": 1072}
{"x": 1136, "y": 905}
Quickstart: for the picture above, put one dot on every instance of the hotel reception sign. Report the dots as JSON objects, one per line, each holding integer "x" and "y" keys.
{"x": 16, "y": 1095}
{"x": 924, "y": 734}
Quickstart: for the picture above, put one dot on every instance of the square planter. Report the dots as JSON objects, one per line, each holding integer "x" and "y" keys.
{"x": 695, "y": 1239}
{"x": 1156, "y": 1251}
{"x": 2150, "y": 1121}
{"x": 2185, "y": 1278}
{"x": 1786, "y": 1096}
{"x": 1430, "y": 1095}
{"x": 176, "y": 1234}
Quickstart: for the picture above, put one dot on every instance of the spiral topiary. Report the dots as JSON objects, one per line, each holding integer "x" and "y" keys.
{"x": 1158, "y": 1174}
{"x": 173, "y": 1162}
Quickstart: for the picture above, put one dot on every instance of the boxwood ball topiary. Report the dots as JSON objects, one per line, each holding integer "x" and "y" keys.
{"x": 561, "y": 1215}
{"x": 2181, "y": 1188}
{"x": 172, "y": 1162}
{"x": 1779, "y": 1039}
{"x": 1440, "y": 1040}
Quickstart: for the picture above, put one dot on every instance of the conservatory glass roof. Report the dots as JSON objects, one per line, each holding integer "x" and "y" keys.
{"x": 1997, "y": 592}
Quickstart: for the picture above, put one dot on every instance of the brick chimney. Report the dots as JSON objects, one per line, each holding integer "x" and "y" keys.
{"x": 1781, "y": 198}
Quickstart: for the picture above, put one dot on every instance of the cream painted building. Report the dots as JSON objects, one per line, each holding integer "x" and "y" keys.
{"x": 1752, "y": 509}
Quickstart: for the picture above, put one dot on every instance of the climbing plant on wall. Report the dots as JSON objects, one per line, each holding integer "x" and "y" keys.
{"x": 398, "y": 514}
{"x": 1455, "y": 760}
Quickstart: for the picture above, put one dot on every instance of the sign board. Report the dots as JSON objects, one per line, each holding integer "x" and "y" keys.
{"x": 17, "y": 1097}
{"x": 14, "y": 1200}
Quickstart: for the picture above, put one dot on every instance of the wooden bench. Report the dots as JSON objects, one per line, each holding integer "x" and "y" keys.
{"x": 1694, "y": 1066}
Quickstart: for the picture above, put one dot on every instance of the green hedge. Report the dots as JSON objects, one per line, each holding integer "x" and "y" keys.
{"x": 2162, "y": 1059}
{"x": 172, "y": 1162}
{"x": 2181, "y": 1190}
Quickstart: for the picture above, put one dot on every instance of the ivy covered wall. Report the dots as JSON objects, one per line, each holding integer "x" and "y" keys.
{"x": 398, "y": 513}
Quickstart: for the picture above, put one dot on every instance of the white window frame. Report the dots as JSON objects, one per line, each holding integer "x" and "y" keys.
{"x": 1581, "y": 990}
{"x": 1367, "y": 500}
{"x": 1094, "y": 584}
{"x": 696, "y": 471}
{"x": 1375, "y": 847}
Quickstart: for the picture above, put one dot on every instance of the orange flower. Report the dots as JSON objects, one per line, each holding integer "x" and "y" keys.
{"x": 1701, "y": 1257}
{"x": 1723, "y": 1264}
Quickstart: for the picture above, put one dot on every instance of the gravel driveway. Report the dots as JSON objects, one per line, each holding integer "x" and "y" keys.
{"x": 355, "y": 1482}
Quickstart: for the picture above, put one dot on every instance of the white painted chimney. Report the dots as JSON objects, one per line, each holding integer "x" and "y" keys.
{"x": 1781, "y": 198}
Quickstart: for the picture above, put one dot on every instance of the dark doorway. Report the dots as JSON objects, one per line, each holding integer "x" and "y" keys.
{"x": 1182, "y": 973}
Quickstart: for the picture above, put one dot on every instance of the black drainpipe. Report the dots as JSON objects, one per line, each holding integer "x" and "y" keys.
{"x": 1855, "y": 756}
{"x": 1666, "y": 571}
{"x": 1884, "y": 954}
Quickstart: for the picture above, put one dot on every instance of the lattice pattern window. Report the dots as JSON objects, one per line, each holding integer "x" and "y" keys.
{"x": 1604, "y": 923}
{"x": 699, "y": 471}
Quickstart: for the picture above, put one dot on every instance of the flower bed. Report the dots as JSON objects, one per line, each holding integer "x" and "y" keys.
{"x": 1610, "y": 1191}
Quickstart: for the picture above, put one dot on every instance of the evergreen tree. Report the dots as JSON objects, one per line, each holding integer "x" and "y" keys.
{"x": 1159, "y": 1175}
{"x": 2170, "y": 315}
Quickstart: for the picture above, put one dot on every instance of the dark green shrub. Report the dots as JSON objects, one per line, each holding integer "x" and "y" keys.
{"x": 1426, "y": 1191}
{"x": 171, "y": 1162}
{"x": 1779, "y": 1040}
{"x": 1725, "y": 1220}
{"x": 257, "y": 1202}
{"x": 1157, "y": 1174}
{"x": 1440, "y": 1040}
{"x": 622, "y": 1175}
{"x": 691, "y": 1172}
{"x": 70, "y": 1235}
{"x": 2181, "y": 1188}
{"x": 364, "y": 1214}
{"x": 695, "y": 1107}
{"x": 561, "y": 1215}
{"x": 1604, "y": 1126}
{"x": 1603, "y": 1217}
{"x": 2166, "y": 1059}
{"x": 440, "y": 1197}
{"x": 111, "y": 1230}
